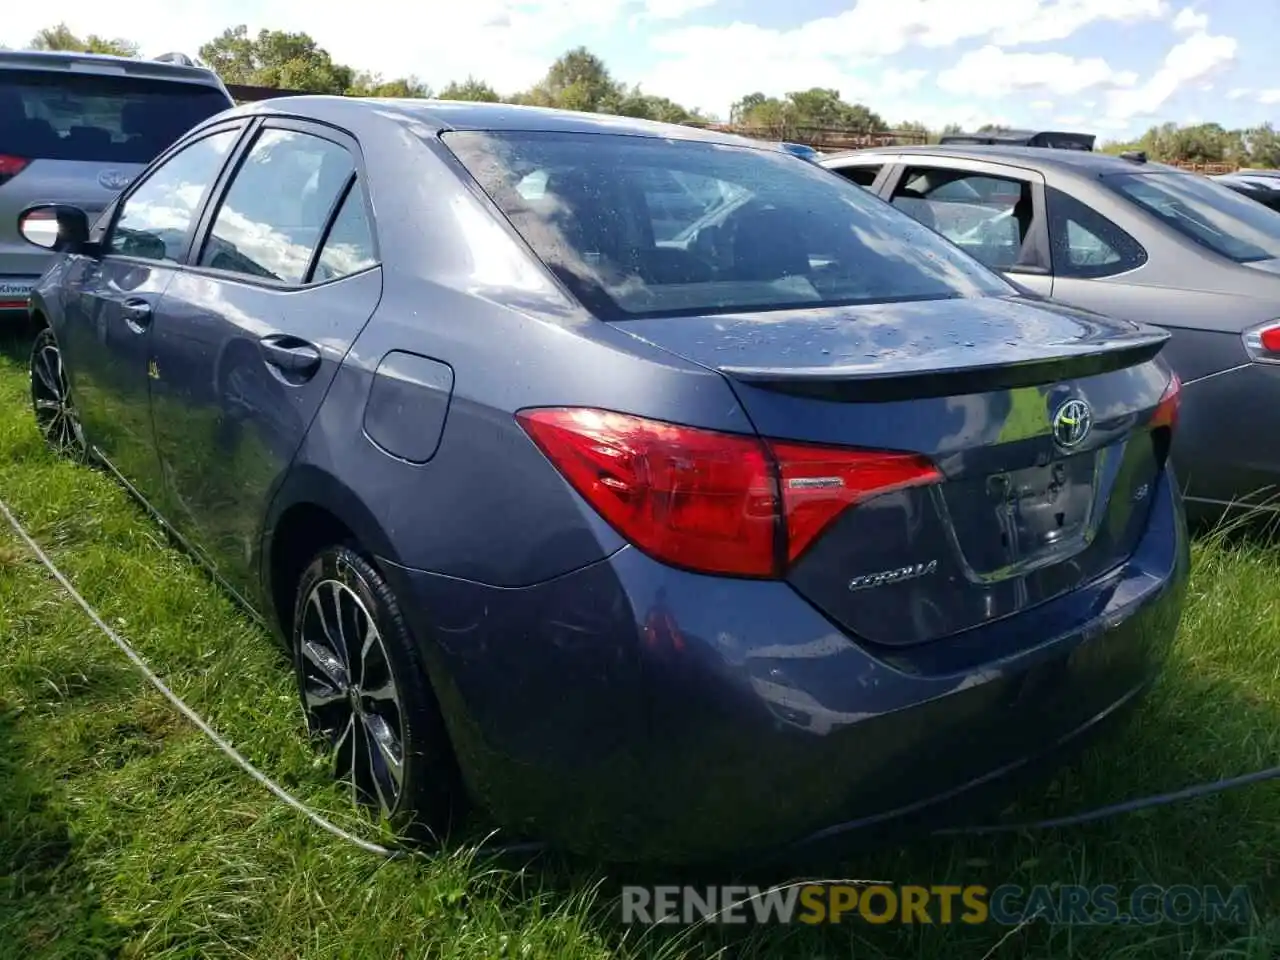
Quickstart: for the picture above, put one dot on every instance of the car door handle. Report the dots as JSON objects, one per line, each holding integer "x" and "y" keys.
{"x": 291, "y": 355}
{"x": 137, "y": 313}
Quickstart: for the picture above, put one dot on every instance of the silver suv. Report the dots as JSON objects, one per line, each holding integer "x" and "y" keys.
{"x": 77, "y": 128}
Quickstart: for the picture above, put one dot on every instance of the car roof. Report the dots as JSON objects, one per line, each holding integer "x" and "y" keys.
{"x": 1084, "y": 162}
{"x": 446, "y": 115}
{"x": 63, "y": 61}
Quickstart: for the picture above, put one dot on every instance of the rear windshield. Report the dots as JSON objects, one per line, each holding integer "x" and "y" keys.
{"x": 1208, "y": 213}
{"x": 641, "y": 226}
{"x": 48, "y": 115}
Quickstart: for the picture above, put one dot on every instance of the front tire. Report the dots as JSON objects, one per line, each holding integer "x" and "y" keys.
{"x": 366, "y": 693}
{"x": 55, "y": 411}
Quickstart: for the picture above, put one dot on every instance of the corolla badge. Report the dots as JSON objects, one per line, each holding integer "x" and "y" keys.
{"x": 115, "y": 179}
{"x": 1071, "y": 423}
{"x": 897, "y": 575}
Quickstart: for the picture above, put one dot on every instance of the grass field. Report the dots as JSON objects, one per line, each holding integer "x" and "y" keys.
{"x": 123, "y": 832}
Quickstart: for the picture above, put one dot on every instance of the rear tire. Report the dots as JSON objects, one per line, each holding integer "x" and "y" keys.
{"x": 365, "y": 691}
{"x": 51, "y": 402}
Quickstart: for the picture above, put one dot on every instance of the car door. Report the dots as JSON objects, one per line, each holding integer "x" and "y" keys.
{"x": 993, "y": 211}
{"x": 113, "y": 297}
{"x": 281, "y": 280}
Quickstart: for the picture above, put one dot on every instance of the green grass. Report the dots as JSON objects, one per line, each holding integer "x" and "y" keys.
{"x": 123, "y": 832}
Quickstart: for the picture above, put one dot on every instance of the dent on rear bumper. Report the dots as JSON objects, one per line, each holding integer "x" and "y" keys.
{"x": 641, "y": 713}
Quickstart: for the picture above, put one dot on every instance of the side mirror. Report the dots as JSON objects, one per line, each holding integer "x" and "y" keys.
{"x": 55, "y": 226}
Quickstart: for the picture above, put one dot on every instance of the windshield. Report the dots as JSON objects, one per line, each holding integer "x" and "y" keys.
{"x": 47, "y": 115}
{"x": 640, "y": 226}
{"x": 1206, "y": 212}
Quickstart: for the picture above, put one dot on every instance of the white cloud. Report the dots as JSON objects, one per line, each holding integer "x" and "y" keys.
{"x": 1041, "y": 106}
{"x": 1188, "y": 21}
{"x": 1239, "y": 93}
{"x": 1192, "y": 61}
{"x": 994, "y": 72}
{"x": 673, "y": 9}
{"x": 894, "y": 81}
{"x": 1268, "y": 97}
{"x": 712, "y": 66}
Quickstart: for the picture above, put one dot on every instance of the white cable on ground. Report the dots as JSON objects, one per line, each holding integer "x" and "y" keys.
{"x": 182, "y": 708}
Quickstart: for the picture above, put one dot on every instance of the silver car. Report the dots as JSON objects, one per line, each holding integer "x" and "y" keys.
{"x": 1136, "y": 240}
{"x": 77, "y": 128}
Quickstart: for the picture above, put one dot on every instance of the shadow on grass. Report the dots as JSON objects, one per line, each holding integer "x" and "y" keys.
{"x": 1189, "y": 730}
{"x": 48, "y": 908}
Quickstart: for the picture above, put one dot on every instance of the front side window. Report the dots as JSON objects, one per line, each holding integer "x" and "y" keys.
{"x": 641, "y": 226}
{"x": 273, "y": 214}
{"x": 1205, "y": 212}
{"x": 60, "y": 115}
{"x": 155, "y": 217}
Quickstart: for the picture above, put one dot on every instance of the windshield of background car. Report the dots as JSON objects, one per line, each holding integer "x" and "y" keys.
{"x": 48, "y": 115}
{"x": 642, "y": 226}
{"x": 1208, "y": 213}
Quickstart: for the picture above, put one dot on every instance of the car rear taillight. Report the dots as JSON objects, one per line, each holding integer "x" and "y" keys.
{"x": 1263, "y": 343}
{"x": 707, "y": 501}
{"x": 1166, "y": 414}
{"x": 10, "y": 167}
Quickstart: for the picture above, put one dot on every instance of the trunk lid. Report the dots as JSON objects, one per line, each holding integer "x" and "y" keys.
{"x": 1038, "y": 415}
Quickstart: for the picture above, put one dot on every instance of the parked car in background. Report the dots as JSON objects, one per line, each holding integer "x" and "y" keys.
{"x": 1260, "y": 185}
{"x": 76, "y": 128}
{"x": 1023, "y": 138}
{"x": 1135, "y": 240}
{"x": 797, "y": 498}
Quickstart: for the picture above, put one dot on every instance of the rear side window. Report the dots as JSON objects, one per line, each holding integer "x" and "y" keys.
{"x": 57, "y": 115}
{"x": 272, "y": 216}
{"x": 155, "y": 217}
{"x": 642, "y": 226}
{"x": 348, "y": 248}
{"x": 1085, "y": 243}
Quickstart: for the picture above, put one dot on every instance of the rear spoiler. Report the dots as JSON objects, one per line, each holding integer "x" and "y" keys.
{"x": 1017, "y": 367}
{"x": 104, "y": 65}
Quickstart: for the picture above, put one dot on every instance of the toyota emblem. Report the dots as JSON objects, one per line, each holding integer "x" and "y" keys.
{"x": 1072, "y": 423}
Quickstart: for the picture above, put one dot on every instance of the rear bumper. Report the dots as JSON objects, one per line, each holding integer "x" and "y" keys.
{"x": 635, "y": 712}
{"x": 15, "y": 293}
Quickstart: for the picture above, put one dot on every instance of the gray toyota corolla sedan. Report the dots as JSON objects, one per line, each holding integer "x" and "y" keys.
{"x": 664, "y": 530}
{"x": 1131, "y": 239}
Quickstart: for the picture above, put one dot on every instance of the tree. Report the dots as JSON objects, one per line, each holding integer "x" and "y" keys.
{"x": 470, "y": 89}
{"x": 61, "y": 38}
{"x": 817, "y": 107}
{"x": 275, "y": 58}
{"x": 918, "y": 130}
{"x": 1262, "y": 146}
{"x": 372, "y": 85}
{"x": 579, "y": 80}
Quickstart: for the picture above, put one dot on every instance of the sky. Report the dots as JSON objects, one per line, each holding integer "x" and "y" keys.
{"x": 1111, "y": 67}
